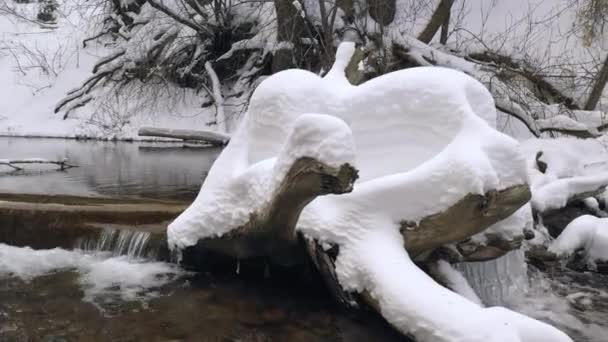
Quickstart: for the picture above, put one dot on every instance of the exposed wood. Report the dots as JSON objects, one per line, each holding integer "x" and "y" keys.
{"x": 469, "y": 216}
{"x": 213, "y": 138}
{"x": 291, "y": 27}
{"x": 598, "y": 87}
{"x": 445, "y": 28}
{"x": 437, "y": 19}
{"x": 512, "y": 66}
{"x": 495, "y": 247}
{"x": 271, "y": 231}
{"x": 324, "y": 262}
{"x": 12, "y": 163}
{"x": 353, "y": 72}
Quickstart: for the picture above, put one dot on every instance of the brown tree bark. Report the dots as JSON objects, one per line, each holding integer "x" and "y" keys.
{"x": 598, "y": 87}
{"x": 291, "y": 28}
{"x": 445, "y": 27}
{"x": 439, "y": 17}
{"x": 382, "y": 11}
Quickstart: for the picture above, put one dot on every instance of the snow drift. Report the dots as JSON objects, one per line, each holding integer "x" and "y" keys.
{"x": 572, "y": 169}
{"x": 420, "y": 142}
{"x": 587, "y": 233}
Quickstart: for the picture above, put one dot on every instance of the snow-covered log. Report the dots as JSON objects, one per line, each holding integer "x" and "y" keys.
{"x": 565, "y": 170}
{"x": 270, "y": 230}
{"x": 469, "y": 216}
{"x": 450, "y": 177}
{"x": 12, "y": 163}
{"x": 213, "y": 138}
{"x": 588, "y": 234}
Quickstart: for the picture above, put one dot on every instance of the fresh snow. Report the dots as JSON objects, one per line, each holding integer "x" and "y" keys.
{"x": 587, "y": 233}
{"x": 436, "y": 125}
{"x": 40, "y": 66}
{"x": 574, "y": 166}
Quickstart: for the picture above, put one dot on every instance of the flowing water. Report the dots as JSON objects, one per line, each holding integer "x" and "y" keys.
{"x": 107, "y": 291}
{"x": 576, "y": 302}
{"x": 113, "y": 289}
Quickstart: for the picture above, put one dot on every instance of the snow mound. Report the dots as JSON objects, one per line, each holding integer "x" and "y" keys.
{"x": 588, "y": 233}
{"x": 421, "y": 138}
{"x": 573, "y": 167}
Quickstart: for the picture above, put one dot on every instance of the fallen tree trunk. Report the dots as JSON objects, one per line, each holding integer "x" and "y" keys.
{"x": 469, "y": 216}
{"x": 271, "y": 231}
{"x": 12, "y": 163}
{"x": 212, "y": 138}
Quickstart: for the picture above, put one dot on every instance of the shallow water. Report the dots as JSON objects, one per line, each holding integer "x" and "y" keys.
{"x": 113, "y": 294}
{"x": 156, "y": 170}
{"x": 575, "y": 302}
{"x": 125, "y": 299}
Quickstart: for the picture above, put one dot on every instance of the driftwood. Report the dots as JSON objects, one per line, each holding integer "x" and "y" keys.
{"x": 213, "y": 138}
{"x": 12, "y": 163}
{"x": 469, "y": 216}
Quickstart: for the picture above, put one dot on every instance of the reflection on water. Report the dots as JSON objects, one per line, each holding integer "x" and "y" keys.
{"x": 97, "y": 297}
{"x": 159, "y": 170}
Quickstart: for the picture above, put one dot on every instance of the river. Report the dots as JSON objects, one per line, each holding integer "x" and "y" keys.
{"x": 114, "y": 294}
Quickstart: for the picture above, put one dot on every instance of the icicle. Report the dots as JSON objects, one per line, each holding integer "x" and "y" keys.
{"x": 496, "y": 281}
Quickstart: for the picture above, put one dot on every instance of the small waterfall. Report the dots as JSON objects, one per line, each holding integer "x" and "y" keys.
{"x": 119, "y": 242}
{"x": 499, "y": 281}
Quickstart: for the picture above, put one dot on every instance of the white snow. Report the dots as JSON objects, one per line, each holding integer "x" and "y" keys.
{"x": 574, "y": 166}
{"x": 100, "y": 274}
{"x": 422, "y": 139}
{"x": 587, "y": 233}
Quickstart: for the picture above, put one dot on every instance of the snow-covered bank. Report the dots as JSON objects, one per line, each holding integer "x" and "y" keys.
{"x": 39, "y": 65}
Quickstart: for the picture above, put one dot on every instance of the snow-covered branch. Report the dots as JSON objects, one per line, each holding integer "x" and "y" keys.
{"x": 218, "y": 100}
{"x": 12, "y": 163}
{"x": 213, "y": 138}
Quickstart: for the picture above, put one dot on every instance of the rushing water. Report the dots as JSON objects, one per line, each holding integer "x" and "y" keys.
{"x": 573, "y": 301}
{"x": 159, "y": 170}
{"x": 119, "y": 242}
{"x": 102, "y": 296}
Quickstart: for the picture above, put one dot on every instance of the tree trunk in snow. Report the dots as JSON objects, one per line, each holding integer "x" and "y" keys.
{"x": 437, "y": 20}
{"x": 469, "y": 216}
{"x": 598, "y": 87}
{"x": 382, "y": 11}
{"x": 212, "y": 138}
{"x": 291, "y": 27}
{"x": 445, "y": 27}
{"x": 271, "y": 231}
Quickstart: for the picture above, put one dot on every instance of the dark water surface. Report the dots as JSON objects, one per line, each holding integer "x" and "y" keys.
{"x": 50, "y": 308}
{"x": 196, "y": 307}
{"x": 156, "y": 170}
